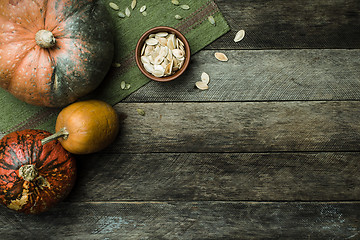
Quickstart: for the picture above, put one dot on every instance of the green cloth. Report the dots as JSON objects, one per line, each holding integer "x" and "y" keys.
{"x": 16, "y": 115}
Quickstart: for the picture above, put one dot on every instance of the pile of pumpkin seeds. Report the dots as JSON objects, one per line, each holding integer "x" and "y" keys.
{"x": 163, "y": 54}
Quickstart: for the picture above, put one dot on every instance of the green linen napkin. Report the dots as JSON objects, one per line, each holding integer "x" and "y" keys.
{"x": 16, "y": 115}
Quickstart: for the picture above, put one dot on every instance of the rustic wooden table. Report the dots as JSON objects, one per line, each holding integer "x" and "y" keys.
{"x": 270, "y": 151}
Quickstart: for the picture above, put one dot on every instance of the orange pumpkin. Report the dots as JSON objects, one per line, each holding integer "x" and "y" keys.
{"x": 34, "y": 177}
{"x": 86, "y": 126}
{"x": 53, "y": 51}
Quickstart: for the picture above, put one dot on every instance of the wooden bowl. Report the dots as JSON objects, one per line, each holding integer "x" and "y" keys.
{"x": 141, "y": 43}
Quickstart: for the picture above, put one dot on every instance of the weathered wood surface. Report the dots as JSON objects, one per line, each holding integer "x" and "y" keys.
{"x": 279, "y": 24}
{"x": 188, "y": 220}
{"x": 264, "y": 75}
{"x": 239, "y": 127}
{"x": 325, "y": 176}
{"x": 270, "y": 151}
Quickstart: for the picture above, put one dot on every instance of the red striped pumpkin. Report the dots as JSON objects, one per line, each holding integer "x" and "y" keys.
{"x": 34, "y": 177}
{"x": 53, "y": 52}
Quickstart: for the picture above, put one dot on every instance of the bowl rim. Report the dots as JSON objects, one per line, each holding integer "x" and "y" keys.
{"x": 140, "y": 44}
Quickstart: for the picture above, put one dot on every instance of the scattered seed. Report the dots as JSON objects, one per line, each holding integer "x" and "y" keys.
{"x": 140, "y": 111}
{"x": 175, "y": 2}
{"x": 178, "y": 17}
{"x": 114, "y": 6}
{"x": 121, "y": 14}
{"x": 133, "y": 4}
{"x": 185, "y": 7}
{"x": 144, "y": 13}
{"x": 122, "y": 84}
{"x": 127, "y": 12}
{"x": 221, "y": 57}
{"x": 212, "y": 20}
{"x": 205, "y": 78}
{"x": 239, "y": 36}
{"x": 201, "y": 85}
{"x": 115, "y": 64}
{"x": 127, "y": 86}
{"x": 143, "y": 8}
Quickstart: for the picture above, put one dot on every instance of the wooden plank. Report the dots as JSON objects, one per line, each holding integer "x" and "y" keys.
{"x": 187, "y": 220}
{"x": 278, "y": 24}
{"x": 263, "y": 75}
{"x": 218, "y": 177}
{"x": 238, "y": 127}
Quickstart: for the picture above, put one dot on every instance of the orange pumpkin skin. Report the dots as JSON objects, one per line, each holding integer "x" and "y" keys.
{"x": 61, "y": 73}
{"x": 91, "y": 125}
{"x": 55, "y": 170}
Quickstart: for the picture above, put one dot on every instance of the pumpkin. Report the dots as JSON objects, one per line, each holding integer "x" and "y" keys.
{"x": 86, "y": 126}
{"x": 34, "y": 177}
{"x": 53, "y": 51}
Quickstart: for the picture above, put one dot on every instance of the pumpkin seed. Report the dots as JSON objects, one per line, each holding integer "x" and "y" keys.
{"x": 140, "y": 111}
{"x": 168, "y": 68}
{"x": 143, "y": 8}
{"x": 221, "y": 57}
{"x": 163, "y": 41}
{"x": 148, "y": 67}
{"x": 122, "y": 84}
{"x": 114, "y": 6}
{"x": 127, "y": 12}
{"x": 133, "y": 4}
{"x": 205, "y": 78}
{"x": 145, "y": 59}
{"x": 127, "y": 86}
{"x": 178, "y": 17}
{"x": 115, "y": 64}
{"x": 175, "y": 2}
{"x": 148, "y": 50}
{"x": 121, "y": 14}
{"x": 178, "y": 53}
{"x": 158, "y": 60}
{"x": 201, "y": 85}
{"x": 212, "y": 20}
{"x": 151, "y": 41}
{"x": 239, "y": 36}
{"x": 185, "y": 7}
{"x": 159, "y": 71}
{"x": 144, "y": 13}
{"x": 171, "y": 41}
{"x": 161, "y": 34}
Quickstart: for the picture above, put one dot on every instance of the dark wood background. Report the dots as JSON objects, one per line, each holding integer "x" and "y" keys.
{"x": 270, "y": 151}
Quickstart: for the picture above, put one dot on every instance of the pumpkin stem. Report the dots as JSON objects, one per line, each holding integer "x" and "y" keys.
{"x": 28, "y": 172}
{"x": 45, "y": 39}
{"x": 62, "y": 133}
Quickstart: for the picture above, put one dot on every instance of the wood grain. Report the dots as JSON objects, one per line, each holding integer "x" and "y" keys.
{"x": 278, "y": 24}
{"x": 263, "y": 75}
{"x": 187, "y": 220}
{"x": 218, "y": 177}
{"x": 238, "y": 127}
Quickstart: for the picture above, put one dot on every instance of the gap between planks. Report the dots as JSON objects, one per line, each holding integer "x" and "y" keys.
{"x": 216, "y": 201}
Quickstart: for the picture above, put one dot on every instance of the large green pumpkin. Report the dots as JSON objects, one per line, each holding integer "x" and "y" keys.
{"x": 53, "y": 51}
